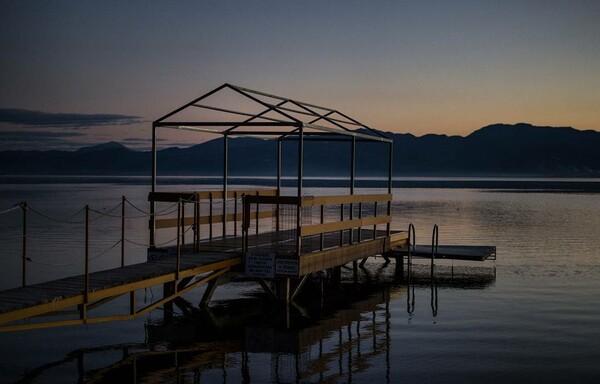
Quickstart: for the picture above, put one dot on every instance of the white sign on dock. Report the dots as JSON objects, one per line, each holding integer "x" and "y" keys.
{"x": 286, "y": 267}
{"x": 260, "y": 265}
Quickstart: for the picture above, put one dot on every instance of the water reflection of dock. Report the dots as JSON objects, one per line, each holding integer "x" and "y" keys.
{"x": 331, "y": 341}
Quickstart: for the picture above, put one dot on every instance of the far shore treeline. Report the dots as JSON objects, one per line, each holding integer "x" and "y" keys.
{"x": 499, "y": 149}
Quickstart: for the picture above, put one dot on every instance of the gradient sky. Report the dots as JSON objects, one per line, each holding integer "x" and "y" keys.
{"x": 446, "y": 67}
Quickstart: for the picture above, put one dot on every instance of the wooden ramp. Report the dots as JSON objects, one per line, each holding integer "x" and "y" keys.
{"x": 38, "y": 299}
{"x": 453, "y": 252}
{"x": 212, "y": 259}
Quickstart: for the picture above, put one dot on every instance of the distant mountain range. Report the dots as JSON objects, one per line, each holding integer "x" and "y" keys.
{"x": 500, "y": 149}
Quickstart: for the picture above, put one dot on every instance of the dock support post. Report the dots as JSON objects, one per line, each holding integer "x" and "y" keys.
{"x": 86, "y": 292}
{"x": 210, "y": 216}
{"x": 168, "y": 290}
{"x": 152, "y": 223}
{"x": 336, "y": 275}
{"x": 299, "y": 185}
{"x": 24, "y": 255}
{"x": 235, "y": 213}
{"x": 389, "y": 203}
{"x": 209, "y": 292}
{"x": 277, "y": 214}
{"x": 123, "y": 231}
{"x": 399, "y": 271}
{"x": 298, "y": 287}
{"x": 225, "y": 169}
{"x": 267, "y": 288}
{"x": 352, "y": 179}
{"x": 179, "y": 230}
{"x": 196, "y": 222}
{"x": 283, "y": 290}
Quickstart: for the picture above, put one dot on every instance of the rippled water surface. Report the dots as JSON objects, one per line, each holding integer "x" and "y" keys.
{"x": 532, "y": 315}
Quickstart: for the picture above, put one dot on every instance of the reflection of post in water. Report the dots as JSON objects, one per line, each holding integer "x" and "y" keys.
{"x": 434, "y": 250}
{"x": 334, "y": 342}
{"x": 410, "y": 283}
{"x": 434, "y": 296}
{"x": 333, "y": 350}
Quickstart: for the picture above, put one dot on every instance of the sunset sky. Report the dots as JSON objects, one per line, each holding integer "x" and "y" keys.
{"x": 445, "y": 67}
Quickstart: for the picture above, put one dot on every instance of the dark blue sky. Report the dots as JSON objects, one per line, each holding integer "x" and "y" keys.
{"x": 420, "y": 67}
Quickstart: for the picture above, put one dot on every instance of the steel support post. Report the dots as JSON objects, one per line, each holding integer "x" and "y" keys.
{"x": 152, "y": 223}
{"x": 352, "y": 180}
{"x": 225, "y": 175}
{"x": 277, "y": 213}
{"x": 123, "y": 231}
{"x": 300, "y": 174}
{"x": 24, "y": 255}
{"x": 389, "y": 203}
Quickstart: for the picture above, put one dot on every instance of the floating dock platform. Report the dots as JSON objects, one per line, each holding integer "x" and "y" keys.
{"x": 452, "y": 252}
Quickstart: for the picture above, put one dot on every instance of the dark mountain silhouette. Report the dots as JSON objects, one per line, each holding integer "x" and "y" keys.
{"x": 499, "y": 149}
{"x": 111, "y": 145}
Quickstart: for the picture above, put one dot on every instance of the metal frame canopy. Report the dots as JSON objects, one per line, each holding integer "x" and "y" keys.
{"x": 234, "y": 111}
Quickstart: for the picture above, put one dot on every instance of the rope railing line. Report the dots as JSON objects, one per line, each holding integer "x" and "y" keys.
{"x": 167, "y": 211}
{"x": 75, "y": 263}
{"x": 117, "y": 216}
{"x": 160, "y": 244}
{"x": 161, "y": 213}
{"x": 104, "y": 214}
{"x": 148, "y": 213}
{"x": 67, "y": 221}
{"x": 203, "y": 201}
{"x": 17, "y": 206}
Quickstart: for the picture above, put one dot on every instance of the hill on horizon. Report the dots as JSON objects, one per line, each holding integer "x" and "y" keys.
{"x": 499, "y": 149}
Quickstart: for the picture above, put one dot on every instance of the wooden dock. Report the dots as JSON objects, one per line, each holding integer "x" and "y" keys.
{"x": 44, "y": 298}
{"x": 312, "y": 247}
{"x": 277, "y": 240}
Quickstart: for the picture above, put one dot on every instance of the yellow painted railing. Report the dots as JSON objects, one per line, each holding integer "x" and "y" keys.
{"x": 351, "y": 216}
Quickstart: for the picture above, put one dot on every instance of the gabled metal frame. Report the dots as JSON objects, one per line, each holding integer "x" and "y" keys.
{"x": 295, "y": 120}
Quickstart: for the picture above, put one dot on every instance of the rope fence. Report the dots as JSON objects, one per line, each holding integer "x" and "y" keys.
{"x": 87, "y": 215}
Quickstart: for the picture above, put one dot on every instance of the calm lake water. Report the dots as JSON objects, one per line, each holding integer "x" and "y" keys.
{"x": 532, "y": 315}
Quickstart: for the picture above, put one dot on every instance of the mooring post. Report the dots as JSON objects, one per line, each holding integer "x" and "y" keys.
{"x": 24, "y": 257}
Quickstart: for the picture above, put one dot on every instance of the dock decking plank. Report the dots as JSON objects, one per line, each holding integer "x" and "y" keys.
{"x": 214, "y": 255}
